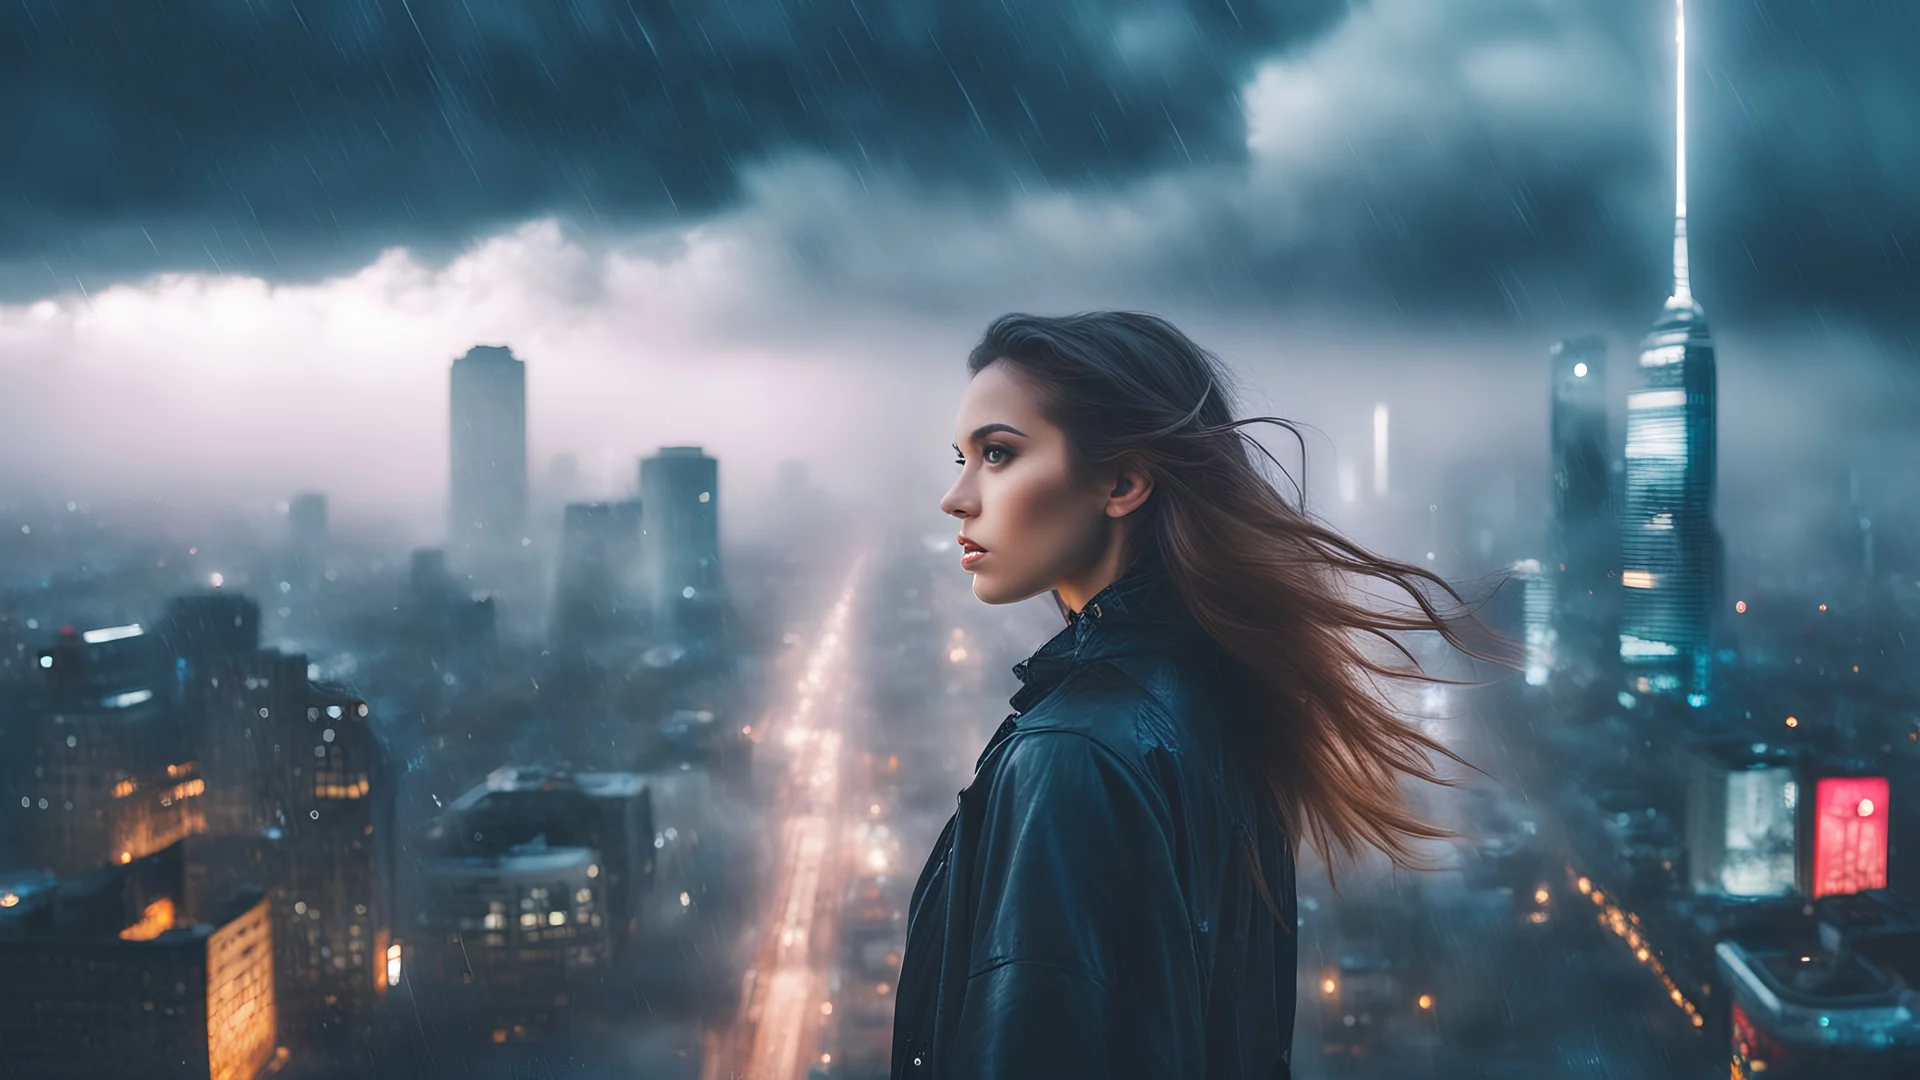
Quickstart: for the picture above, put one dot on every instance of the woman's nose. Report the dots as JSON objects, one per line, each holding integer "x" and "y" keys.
{"x": 955, "y": 502}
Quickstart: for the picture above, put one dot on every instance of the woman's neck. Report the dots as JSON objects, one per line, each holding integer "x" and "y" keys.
{"x": 1113, "y": 562}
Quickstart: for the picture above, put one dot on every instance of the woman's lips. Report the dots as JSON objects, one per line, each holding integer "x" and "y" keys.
{"x": 970, "y": 552}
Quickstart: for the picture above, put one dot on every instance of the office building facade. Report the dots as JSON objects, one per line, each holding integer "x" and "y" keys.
{"x": 488, "y": 451}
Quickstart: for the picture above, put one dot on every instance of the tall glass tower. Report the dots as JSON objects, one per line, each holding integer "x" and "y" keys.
{"x": 1584, "y": 539}
{"x": 1670, "y": 550}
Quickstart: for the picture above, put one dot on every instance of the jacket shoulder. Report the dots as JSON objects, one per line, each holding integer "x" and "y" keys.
{"x": 1111, "y": 707}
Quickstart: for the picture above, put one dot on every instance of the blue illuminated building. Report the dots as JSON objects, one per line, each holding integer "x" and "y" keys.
{"x": 1670, "y": 549}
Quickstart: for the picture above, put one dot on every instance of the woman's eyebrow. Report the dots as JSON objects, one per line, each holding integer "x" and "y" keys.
{"x": 985, "y": 430}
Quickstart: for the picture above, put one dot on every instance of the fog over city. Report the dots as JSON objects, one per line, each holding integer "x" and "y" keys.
{"x": 243, "y": 245}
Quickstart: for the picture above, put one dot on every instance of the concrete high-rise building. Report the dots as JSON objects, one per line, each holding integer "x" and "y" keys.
{"x": 122, "y": 972}
{"x": 680, "y": 487}
{"x": 508, "y": 939}
{"x": 1584, "y": 537}
{"x": 599, "y": 591}
{"x": 295, "y": 767}
{"x": 1670, "y": 550}
{"x": 608, "y": 813}
{"x": 113, "y": 775}
{"x": 488, "y": 443}
{"x": 201, "y": 629}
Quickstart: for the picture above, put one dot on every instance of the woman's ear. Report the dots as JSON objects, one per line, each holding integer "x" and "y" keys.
{"x": 1130, "y": 488}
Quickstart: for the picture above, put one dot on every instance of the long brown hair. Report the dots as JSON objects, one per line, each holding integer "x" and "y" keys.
{"x": 1285, "y": 595}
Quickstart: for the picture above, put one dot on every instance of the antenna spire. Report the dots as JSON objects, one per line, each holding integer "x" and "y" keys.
{"x": 1682, "y": 287}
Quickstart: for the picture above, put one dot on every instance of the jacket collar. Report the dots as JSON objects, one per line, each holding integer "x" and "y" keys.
{"x": 1140, "y": 611}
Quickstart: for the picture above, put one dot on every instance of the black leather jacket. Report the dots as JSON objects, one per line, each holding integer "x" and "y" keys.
{"x": 1091, "y": 909}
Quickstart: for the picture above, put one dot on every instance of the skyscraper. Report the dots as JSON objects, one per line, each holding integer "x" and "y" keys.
{"x": 598, "y": 592}
{"x": 1670, "y": 550}
{"x": 488, "y": 437}
{"x": 680, "y": 487}
{"x": 1583, "y": 541}
{"x": 113, "y": 776}
{"x": 294, "y": 768}
{"x": 1537, "y": 604}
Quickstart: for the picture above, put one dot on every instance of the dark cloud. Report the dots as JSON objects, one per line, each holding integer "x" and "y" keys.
{"x": 1478, "y": 158}
{"x": 281, "y": 136}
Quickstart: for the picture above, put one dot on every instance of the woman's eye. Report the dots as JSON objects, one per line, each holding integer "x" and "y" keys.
{"x": 994, "y": 455}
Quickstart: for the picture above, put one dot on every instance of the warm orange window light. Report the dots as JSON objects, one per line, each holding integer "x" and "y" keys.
{"x": 1850, "y": 835}
{"x": 157, "y": 920}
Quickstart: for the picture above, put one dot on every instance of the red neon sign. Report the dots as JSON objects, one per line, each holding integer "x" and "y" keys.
{"x": 1850, "y": 835}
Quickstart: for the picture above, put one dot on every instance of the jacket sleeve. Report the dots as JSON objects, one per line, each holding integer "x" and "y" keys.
{"x": 1083, "y": 954}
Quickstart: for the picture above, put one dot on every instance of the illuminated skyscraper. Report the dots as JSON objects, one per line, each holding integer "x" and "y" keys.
{"x": 1584, "y": 535}
{"x": 1670, "y": 550}
{"x": 124, "y": 971}
{"x": 294, "y": 768}
{"x": 1537, "y": 605}
{"x": 488, "y": 437}
{"x": 113, "y": 779}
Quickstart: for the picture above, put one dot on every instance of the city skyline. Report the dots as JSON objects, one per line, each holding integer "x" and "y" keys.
{"x": 475, "y": 599}
{"x": 810, "y": 295}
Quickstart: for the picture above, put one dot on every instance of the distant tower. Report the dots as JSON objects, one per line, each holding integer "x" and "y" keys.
{"x": 1537, "y": 587}
{"x": 1583, "y": 537}
{"x": 488, "y": 438}
{"x": 1380, "y": 450}
{"x": 1670, "y": 550}
{"x": 598, "y": 592}
{"x": 307, "y": 520}
{"x": 680, "y": 487}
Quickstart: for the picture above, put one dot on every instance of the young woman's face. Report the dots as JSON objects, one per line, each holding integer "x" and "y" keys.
{"x": 1027, "y": 523}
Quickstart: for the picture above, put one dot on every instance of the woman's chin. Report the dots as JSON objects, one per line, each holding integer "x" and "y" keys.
{"x": 988, "y": 591}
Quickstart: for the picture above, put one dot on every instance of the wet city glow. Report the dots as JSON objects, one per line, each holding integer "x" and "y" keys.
{"x": 1626, "y": 926}
{"x": 156, "y": 920}
{"x": 779, "y": 1030}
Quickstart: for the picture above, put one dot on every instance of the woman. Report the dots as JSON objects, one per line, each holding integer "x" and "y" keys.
{"x": 1114, "y": 896}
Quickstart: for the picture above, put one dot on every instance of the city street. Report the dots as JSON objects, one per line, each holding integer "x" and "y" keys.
{"x": 785, "y": 991}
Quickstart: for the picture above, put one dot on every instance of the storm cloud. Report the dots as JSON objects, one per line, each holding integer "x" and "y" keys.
{"x": 1475, "y": 159}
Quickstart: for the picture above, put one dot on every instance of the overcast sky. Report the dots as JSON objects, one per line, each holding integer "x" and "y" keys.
{"x": 240, "y": 240}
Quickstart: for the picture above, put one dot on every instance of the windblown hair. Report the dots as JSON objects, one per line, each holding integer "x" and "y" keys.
{"x": 1285, "y": 595}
